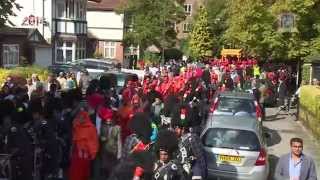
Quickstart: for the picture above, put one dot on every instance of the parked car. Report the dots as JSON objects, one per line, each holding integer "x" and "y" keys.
{"x": 236, "y": 104}
{"x": 235, "y": 148}
{"x": 56, "y": 69}
{"x": 96, "y": 64}
{"x": 115, "y": 79}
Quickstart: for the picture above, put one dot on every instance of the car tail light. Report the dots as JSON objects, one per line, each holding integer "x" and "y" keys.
{"x": 258, "y": 110}
{"x": 262, "y": 159}
{"x": 214, "y": 105}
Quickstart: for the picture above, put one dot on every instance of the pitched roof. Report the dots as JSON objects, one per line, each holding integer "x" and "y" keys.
{"x": 15, "y": 31}
{"x": 103, "y": 5}
{"x": 32, "y": 34}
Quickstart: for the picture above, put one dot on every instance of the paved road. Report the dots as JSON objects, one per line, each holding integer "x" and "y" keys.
{"x": 282, "y": 128}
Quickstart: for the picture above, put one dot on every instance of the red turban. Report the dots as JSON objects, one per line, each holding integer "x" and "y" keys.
{"x": 105, "y": 114}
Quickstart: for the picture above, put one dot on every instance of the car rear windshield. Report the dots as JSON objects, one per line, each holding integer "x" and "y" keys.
{"x": 231, "y": 138}
{"x": 228, "y": 104}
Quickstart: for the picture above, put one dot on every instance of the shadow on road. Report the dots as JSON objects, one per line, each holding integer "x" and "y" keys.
{"x": 273, "y": 160}
{"x": 274, "y": 117}
{"x": 273, "y": 136}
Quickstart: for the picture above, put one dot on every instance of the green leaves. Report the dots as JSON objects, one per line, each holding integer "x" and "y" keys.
{"x": 253, "y": 25}
{"x": 151, "y": 22}
{"x": 201, "y": 39}
{"x": 6, "y": 7}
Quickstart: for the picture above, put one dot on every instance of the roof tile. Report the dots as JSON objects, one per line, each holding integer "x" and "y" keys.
{"x": 103, "y": 5}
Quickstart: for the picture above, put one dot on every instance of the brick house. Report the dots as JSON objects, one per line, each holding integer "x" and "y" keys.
{"x": 105, "y": 30}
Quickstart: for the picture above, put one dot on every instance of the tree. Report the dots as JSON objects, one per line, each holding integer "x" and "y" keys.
{"x": 250, "y": 27}
{"x": 303, "y": 42}
{"x": 151, "y": 22}
{"x": 217, "y": 19}
{"x": 253, "y": 25}
{"x": 201, "y": 40}
{"x": 6, "y": 7}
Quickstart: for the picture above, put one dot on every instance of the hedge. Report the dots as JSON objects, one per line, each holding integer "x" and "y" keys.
{"x": 309, "y": 111}
{"x": 23, "y": 73}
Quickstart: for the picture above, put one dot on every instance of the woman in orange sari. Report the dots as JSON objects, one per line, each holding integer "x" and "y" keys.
{"x": 84, "y": 146}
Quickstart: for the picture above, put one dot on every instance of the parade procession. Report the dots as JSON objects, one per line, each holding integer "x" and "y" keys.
{"x": 159, "y": 89}
{"x": 149, "y": 129}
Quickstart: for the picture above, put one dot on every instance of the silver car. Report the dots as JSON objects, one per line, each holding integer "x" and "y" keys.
{"x": 235, "y": 148}
{"x": 236, "y": 104}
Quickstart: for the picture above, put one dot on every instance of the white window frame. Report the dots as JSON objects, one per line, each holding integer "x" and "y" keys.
{"x": 64, "y": 49}
{"x": 108, "y": 47}
{"x": 6, "y": 59}
{"x": 188, "y": 9}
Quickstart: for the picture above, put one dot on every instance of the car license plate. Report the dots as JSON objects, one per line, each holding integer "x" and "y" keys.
{"x": 229, "y": 159}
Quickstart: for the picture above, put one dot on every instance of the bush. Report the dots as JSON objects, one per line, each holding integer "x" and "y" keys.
{"x": 309, "y": 111}
{"x": 20, "y": 73}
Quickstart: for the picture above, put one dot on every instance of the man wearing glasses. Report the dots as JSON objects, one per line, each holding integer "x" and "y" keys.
{"x": 295, "y": 165}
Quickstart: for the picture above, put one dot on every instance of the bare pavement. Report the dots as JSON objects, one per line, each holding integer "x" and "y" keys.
{"x": 282, "y": 128}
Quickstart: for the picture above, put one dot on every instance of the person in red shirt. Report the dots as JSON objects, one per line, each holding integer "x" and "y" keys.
{"x": 128, "y": 92}
{"x": 124, "y": 115}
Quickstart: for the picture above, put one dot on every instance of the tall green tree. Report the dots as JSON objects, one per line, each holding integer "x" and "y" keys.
{"x": 251, "y": 28}
{"x": 6, "y": 7}
{"x": 151, "y": 22}
{"x": 217, "y": 19}
{"x": 253, "y": 25}
{"x": 201, "y": 40}
{"x": 303, "y": 42}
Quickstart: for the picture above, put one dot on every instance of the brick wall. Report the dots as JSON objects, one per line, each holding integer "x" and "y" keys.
{"x": 119, "y": 50}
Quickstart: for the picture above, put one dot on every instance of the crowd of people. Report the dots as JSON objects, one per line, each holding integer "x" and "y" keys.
{"x": 81, "y": 128}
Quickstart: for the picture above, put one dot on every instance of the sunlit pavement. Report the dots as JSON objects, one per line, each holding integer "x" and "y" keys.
{"x": 282, "y": 128}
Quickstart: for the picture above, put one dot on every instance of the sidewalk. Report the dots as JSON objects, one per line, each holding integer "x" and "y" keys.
{"x": 282, "y": 128}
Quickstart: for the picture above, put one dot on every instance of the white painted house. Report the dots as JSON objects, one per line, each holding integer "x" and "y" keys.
{"x": 62, "y": 23}
{"x": 105, "y": 30}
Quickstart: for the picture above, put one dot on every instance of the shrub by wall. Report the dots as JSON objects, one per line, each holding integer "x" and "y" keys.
{"x": 309, "y": 112}
{"x": 23, "y": 73}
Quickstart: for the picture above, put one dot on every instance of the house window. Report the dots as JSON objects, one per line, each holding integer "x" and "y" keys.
{"x": 10, "y": 55}
{"x": 70, "y": 8}
{"x": 82, "y": 10}
{"x": 186, "y": 27}
{"x": 109, "y": 49}
{"x": 61, "y": 9}
{"x": 188, "y": 9}
{"x": 65, "y": 51}
{"x": 76, "y": 9}
{"x": 81, "y": 49}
